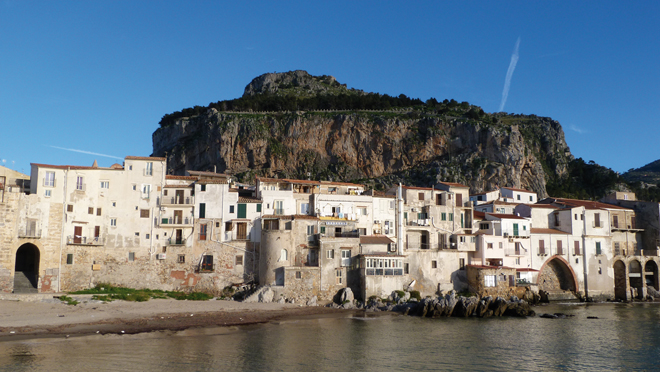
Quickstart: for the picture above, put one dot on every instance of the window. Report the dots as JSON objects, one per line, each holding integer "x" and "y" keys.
{"x": 490, "y": 280}
{"x": 501, "y": 245}
{"x": 130, "y": 167}
{"x": 576, "y": 246}
{"x": 434, "y": 264}
{"x": 69, "y": 259}
{"x": 144, "y": 213}
{"x": 406, "y": 269}
{"x": 483, "y": 226}
{"x": 304, "y": 208}
{"x": 310, "y": 230}
{"x": 278, "y": 205}
{"x": 105, "y": 184}
{"x": 131, "y": 256}
{"x": 298, "y": 275}
{"x": 420, "y": 196}
{"x": 202, "y": 210}
{"x": 531, "y": 198}
{"x": 451, "y": 216}
{"x": 49, "y": 180}
{"x": 98, "y": 211}
{"x": 207, "y": 263}
{"x": 202, "y": 231}
{"x": 517, "y": 260}
{"x": 339, "y": 276}
{"x": 231, "y": 209}
{"x": 443, "y": 216}
{"x": 146, "y": 236}
{"x": 79, "y": 183}
{"x": 576, "y": 217}
{"x": 559, "y": 247}
{"x": 202, "y": 187}
{"x": 114, "y": 204}
{"x": 489, "y": 246}
{"x": 518, "y": 196}
{"x": 134, "y": 187}
{"x": 146, "y": 190}
{"x": 596, "y": 219}
{"x": 541, "y": 246}
{"x": 598, "y": 249}
{"x": 462, "y": 239}
{"x": 362, "y": 211}
{"x": 181, "y": 258}
{"x": 47, "y": 193}
{"x": 113, "y": 222}
{"x": 90, "y": 210}
{"x": 149, "y": 170}
{"x": 69, "y": 208}
{"x": 137, "y": 234}
{"x": 461, "y": 263}
{"x": 330, "y": 254}
{"x": 239, "y": 261}
{"x": 345, "y": 257}
{"x": 322, "y": 229}
{"x": 259, "y": 208}
{"x": 392, "y": 204}
{"x": 284, "y": 255}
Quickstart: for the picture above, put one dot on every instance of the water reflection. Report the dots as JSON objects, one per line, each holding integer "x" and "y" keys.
{"x": 624, "y": 337}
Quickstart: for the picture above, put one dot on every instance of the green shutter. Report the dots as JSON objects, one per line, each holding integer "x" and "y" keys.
{"x": 242, "y": 211}
{"x": 258, "y": 207}
{"x": 202, "y": 210}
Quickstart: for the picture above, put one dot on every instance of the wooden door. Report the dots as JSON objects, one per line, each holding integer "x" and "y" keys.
{"x": 459, "y": 200}
{"x": 179, "y": 197}
{"x": 241, "y": 231}
{"x": 179, "y": 236}
{"x": 77, "y": 234}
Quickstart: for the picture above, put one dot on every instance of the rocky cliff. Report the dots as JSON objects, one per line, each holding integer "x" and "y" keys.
{"x": 418, "y": 145}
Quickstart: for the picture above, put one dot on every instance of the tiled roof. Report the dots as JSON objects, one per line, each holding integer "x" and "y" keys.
{"x": 478, "y": 214}
{"x": 507, "y": 216}
{"x": 587, "y": 204}
{"x": 491, "y": 267}
{"x": 207, "y": 174}
{"x": 73, "y": 167}
{"x": 521, "y": 190}
{"x": 144, "y": 158}
{"x": 173, "y": 177}
{"x": 382, "y": 194}
{"x": 548, "y": 206}
{"x": 454, "y": 184}
{"x": 179, "y": 186}
{"x": 418, "y": 188}
{"x": 212, "y": 182}
{"x": 246, "y": 199}
{"x": 375, "y": 239}
{"x": 341, "y": 183}
{"x": 526, "y": 269}
{"x": 381, "y": 255}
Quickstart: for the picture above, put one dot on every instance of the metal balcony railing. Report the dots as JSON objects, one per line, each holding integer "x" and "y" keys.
{"x": 176, "y": 221}
{"x": 72, "y": 239}
{"x": 175, "y": 241}
{"x": 175, "y": 200}
{"x": 30, "y": 233}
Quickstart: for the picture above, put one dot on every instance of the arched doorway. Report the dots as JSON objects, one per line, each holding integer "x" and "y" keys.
{"x": 651, "y": 274}
{"x": 635, "y": 278}
{"x": 556, "y": 276}
{"x": 620, "y": 281}
{"x": 26, "y": 269}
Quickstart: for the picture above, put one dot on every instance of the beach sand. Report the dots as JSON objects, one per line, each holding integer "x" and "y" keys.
{"x": 51, "y": 317}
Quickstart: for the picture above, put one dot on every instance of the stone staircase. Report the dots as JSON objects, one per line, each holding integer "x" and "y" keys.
{"x": 560, "y": 295}
{"x": 25, "y": 282}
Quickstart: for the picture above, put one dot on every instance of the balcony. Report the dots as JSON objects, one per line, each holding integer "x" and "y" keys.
{"x": 29, "y": 234}
{"x": 174, "y": 221}
{"x": 514, "y": 252}
{"x": 176, "y": 200}
{"x": 347, "y": 234}
{"x": 84, "y": 240}
{"x": 175, "y": 241}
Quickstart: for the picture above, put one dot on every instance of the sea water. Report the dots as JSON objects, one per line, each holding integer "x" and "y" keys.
{"x": 621, "y": 337}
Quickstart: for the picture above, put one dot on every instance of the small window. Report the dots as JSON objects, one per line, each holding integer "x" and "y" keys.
{"x": 181, "y": 258}
{"x": 47, "y": 193}
{"x": 202, "y": 187}
{"x": 443, "y": 216}
{"x": 298, "y": 275}
{"x": 231, "y": 209}
{"x": 80, "y": 186}
{"x": 69, "y": 208}
{"x": 98, "y": 211}
{"x": 461, "y": 263}
{"x": 239, "y": 260}
{"x": 90, "y": 210}
{"x": 113, "y": 222}
{"x": 146, "y": 236}
{"x": 598, "y": 250}
{"x": 114, "y": 204}
{"x": 340, "y": 276}
{"x": 144, "y": 213}
{"x": 105, "y": 184}
{"x": 134, "y": 187}
{"x": 137, "y": 234}
{"x": 420, "y": 196}
{"x": 518, "y": 196}
{"x": 69, "y": 259}
{"x": 434, "y": 264}
{"x": 131, "y": 256}
{"x": 259, "y": 208}
{"x": 490, "y": 246}
{"x": 451, "y": 216}
{"x": 330, "y": 253}
{"x": 406, "y": 269}
{"x": 284, "y": 255}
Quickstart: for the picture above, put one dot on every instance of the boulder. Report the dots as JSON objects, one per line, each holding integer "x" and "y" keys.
{"x": 312, "y": 301}
{"x": 519, "y": 309}
{"x": 448, "y": 303}
{"x": 483, "y": 305}
{"x": 346, "y": 294}
{"x": 498, "y": 306}
{"x": 465, "y": 306}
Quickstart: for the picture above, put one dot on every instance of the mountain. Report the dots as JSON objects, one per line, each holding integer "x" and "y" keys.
{"x": 297, "y": 125}
{"x": 650, "y": 173}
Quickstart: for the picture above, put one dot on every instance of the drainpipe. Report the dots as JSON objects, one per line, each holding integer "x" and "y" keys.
{"x": 584, "y": 252}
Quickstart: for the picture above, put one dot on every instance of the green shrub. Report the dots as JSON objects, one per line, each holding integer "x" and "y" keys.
{"x": 416, "y": 294}
{"x": 69, "y": 300}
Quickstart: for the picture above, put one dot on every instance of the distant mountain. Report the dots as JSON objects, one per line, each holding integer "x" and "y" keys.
{"x": 650, "y": 174}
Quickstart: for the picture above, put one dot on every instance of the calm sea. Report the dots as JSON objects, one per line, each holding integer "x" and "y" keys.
{"x": 624, "y": 337}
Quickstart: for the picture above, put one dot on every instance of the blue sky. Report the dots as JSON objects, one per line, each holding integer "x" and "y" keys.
{"x": 97, "y": 76}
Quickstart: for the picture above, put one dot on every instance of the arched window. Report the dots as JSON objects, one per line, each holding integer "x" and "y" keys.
{"x": 284, "y": 255}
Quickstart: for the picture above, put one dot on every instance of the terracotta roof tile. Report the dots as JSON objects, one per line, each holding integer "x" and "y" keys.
{"x": 521, "y": 190}
{"x": 144, "y": 158}
{"x": 454, "y": 184}
{"x": 375, "y": 239}
{"x": 173, "y": 177}
{"x": 547, "y": 231}
{"x": 508, "y": 216}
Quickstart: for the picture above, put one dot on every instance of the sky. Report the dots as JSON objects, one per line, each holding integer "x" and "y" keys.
{"x": 90, "y": 80}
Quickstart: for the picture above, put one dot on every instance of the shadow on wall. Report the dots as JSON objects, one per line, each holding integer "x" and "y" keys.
{"x": 459, "y": 280}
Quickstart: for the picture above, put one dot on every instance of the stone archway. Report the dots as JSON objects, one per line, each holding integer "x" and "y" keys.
{"x": 620, "y": 292}
{"x": 651, "y": 274}
{"x": 26, "y": 269}
{"x": 556, "y": 275}
{"x": 635, "y": 279}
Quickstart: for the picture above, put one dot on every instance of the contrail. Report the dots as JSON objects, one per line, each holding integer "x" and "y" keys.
{"x": 87, "y": 152}
{"x": 509, "y": 74}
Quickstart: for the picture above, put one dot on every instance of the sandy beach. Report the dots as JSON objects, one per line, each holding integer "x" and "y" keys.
{"x": 51, "y": 317}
